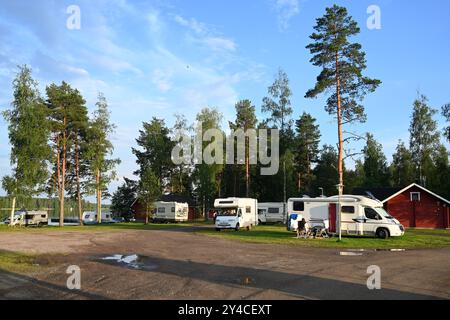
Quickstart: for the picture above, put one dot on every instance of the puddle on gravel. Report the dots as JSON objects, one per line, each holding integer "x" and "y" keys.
{"x": 360, "y": 252}
{"x": 133, "y": 261}
{"x": 349, "y": 253}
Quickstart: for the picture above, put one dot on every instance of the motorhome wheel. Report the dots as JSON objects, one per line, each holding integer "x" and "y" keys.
{"x": 382, "y": 233}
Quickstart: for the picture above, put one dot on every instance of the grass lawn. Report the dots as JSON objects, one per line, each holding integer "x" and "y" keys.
{"x": 101, "y": 227}
{"x": 18, "y": 262}
{"x": 279, "y": 235}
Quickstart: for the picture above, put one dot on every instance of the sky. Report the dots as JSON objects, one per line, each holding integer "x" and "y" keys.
{"x": 161, "y": 58}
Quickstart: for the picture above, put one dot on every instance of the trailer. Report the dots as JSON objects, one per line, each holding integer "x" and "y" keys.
{"x": 271, "y": 212}
{"x": 30, "y": 218}
{"x": 171, "y": 212}
{"x": 235, "y": 213}
{"x": 90, "y": 217}
{"x": 359, "y": 215}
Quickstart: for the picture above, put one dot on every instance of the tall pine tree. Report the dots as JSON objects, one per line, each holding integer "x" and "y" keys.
{"x": 342, "y": 64}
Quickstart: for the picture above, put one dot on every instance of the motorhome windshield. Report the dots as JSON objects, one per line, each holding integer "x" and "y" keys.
{"x": 227, "y": 212}
{"x": 383, "y": 213}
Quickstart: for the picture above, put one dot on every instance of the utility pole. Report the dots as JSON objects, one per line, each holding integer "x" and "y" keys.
{"x": 284, "y": 183}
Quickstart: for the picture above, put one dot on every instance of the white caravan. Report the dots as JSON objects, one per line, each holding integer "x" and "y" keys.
{"x": 271, "y": 212}
{"x": 236, "y": 213}
{"x": 30, "y": 218}
{"x": 90, "y": 217}
{"x": 359, "y": 215}
{"x": 171, "y": 212}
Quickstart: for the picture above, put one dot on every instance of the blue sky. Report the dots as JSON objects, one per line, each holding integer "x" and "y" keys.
{"x": 158, "y": 58}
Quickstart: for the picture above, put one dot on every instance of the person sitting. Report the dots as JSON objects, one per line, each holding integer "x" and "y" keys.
{"x": 301, "y": 228}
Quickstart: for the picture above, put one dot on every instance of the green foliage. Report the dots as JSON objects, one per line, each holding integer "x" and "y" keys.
{"x": 326, "y": 173}
{"x": 124, "y": 197}
{"x": 278, "y": 104}
{"x": 99, "y": 148}
{"x": 340, "y": 60}
{"x": 402, "y": 167}
{"x": 180, "y": 179}
{"x": 156, "y": 148}
{"x": 375, "y": 168}
{"x": 28, "y": 131}
{"x": 245, "y": 120}
{"x": 149, "y": 189}
{"x": 205, "y": 176}
{"x": 306, "y": 150}
{"x": 440, "y": 179}
{"x": 446, "y": 114}
{"x": 424, "y": 139}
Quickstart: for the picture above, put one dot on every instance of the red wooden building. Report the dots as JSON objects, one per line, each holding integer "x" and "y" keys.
{"x": 414, "y": 206}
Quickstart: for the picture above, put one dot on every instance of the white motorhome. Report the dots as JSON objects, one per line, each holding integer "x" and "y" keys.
{"x": 30, "y": 218}
{"x": 90, "y": 217}
{"x": 171, "y": 212}
{"x": 235, "y": 213}
{"x": 271, "y": 212}
{"x": 359, "y": 215}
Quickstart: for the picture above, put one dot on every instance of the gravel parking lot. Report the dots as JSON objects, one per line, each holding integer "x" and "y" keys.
{"x": 179, "y": 264}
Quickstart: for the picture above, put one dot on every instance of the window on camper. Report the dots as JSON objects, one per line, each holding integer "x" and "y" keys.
{"x": 261, "y": 211}
{"x": 274, "y": 210}
{"x": 161, "y": 210}
{"x": 348, "y": 209}
{"x": 371, "y": 214}
{"x": 248, "y": 209}
{"x": 299, "y": 206}
{"x": 226, "y": 212}
{"x": 172, "y": 209}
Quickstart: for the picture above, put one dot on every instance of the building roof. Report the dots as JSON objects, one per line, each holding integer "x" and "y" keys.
{"x": 386, "y": 194}
{"x": 378, "y": 193}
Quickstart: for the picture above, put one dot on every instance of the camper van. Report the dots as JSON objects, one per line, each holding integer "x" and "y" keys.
{"x": 359, "y": 215}
{"x": 235, "y": 213}
{"x": 30, "y": 218}
{"x": 271, "y": 212}
{"x": 90, "y": 217}
{"x": 171, "y": 212}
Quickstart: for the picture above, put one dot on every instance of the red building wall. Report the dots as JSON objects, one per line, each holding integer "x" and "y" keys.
{"x": 429, "y": 212}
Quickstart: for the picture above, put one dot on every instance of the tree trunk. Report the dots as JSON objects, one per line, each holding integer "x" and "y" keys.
{"x": 99, "y": 197}
{"x": 247, "y": 168}
{"x": 13, "y": 209}
{"x": 299, "y": 182}
{"x": 146, "y": 215}
{"x": 341, "y": 147}
{"x": 58, "y": 166}
{"x": 77, "y": 170}
{"x": 63, "y": 176}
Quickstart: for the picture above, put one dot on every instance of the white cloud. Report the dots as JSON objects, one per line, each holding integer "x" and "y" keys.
{"x": 220, "y": 44}
{"x": 162, "y": 79}
{"x": 154, "y": 21}
{"x": 206, "y": 36}
{"x": 286, "y": 10}
{"x": 192, "y": 24}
